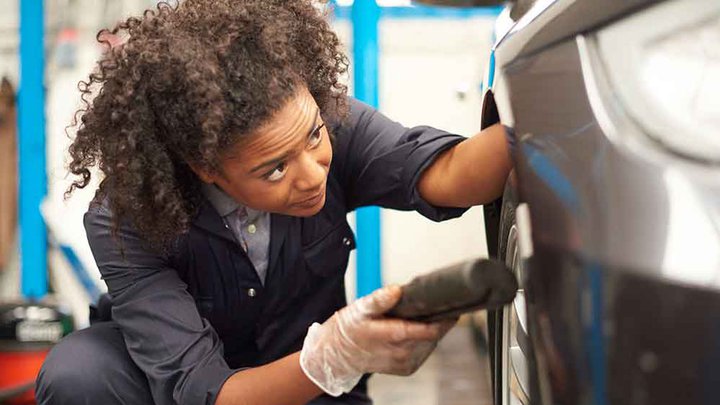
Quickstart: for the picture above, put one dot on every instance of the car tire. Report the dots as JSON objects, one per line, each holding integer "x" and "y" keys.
{"x": 495, "y": 317}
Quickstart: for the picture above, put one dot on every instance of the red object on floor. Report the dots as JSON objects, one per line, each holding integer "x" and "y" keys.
{"x": 20, "y": 369}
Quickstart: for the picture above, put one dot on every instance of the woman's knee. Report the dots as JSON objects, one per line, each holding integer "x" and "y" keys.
{"x": 74, "y": 362}
{"x": 83, "y": 366}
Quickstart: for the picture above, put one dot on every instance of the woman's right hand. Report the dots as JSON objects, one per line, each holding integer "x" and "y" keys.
{"x": 358, "y": 340}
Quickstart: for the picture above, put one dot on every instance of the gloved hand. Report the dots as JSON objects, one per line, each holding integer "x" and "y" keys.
{"x": 358, "y": 340}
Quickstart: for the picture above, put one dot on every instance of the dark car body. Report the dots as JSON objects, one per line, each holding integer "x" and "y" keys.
{"x": 611, "y": 218}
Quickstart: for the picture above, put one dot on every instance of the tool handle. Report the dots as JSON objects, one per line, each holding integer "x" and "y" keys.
{"x": 454, "y": 290}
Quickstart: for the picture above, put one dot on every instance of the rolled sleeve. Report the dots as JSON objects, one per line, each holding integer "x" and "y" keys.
{"x": 380, "y": 162}
{"x": 180, "y": 353}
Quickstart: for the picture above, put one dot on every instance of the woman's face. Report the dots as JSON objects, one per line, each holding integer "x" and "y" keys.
{"x": 283, "y": 166}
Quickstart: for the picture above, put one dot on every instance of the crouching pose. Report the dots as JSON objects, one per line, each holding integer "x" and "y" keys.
{"x": 230, "y": 156}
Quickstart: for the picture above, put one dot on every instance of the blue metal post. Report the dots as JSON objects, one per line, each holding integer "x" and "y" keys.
{"x": 33, "y": 181}
{"x": 365, "y": 16}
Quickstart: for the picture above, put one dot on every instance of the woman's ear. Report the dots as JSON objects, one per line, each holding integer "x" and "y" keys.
{"x": 203, "y": 174}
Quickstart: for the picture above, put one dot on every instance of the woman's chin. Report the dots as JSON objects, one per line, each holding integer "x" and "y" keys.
{"x": 309, "y": 210}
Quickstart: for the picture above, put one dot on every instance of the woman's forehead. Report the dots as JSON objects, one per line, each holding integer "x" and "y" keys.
{"x": 285, "y": 129}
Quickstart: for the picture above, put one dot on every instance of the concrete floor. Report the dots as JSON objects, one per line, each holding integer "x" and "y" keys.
{"x": 456, "y": 374}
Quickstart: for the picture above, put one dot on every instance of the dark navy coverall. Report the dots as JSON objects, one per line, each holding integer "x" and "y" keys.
{"x": 183, "y": 323}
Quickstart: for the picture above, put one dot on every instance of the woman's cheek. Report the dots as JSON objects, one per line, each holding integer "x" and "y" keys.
{"x": 276, "y": 198}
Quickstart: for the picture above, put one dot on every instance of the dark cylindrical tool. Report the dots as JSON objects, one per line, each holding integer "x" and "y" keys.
{"x": 454, "y": 290}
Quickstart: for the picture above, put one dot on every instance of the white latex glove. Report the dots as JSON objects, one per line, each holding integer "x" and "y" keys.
{"x": 357, "y": 340}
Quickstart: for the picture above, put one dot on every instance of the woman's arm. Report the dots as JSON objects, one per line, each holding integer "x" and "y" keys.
{"x": 279, "y": 382}
{"x": 180, "y": 353}
{"x": 472, "y": 172}
{"x": 354, "y": 341}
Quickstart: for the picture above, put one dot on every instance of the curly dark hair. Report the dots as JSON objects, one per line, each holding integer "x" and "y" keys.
{"x": 189, "y": 80}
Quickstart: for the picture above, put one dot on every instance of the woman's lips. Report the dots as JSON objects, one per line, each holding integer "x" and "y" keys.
{"x": 312, "y": 201}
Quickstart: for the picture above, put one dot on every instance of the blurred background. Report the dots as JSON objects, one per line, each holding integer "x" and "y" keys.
{"x": 430, "y": 65}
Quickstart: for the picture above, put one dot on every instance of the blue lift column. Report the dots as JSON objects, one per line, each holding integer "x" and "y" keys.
{"x": 365, "y": 17}
{"x": 33, "y": 177}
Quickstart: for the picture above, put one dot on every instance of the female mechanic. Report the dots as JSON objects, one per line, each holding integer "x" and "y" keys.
{"x": 230, "y": 156}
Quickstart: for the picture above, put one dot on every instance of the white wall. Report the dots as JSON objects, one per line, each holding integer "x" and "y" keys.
{"x": 426, "y": 65}
{"x": 9, "y": 39}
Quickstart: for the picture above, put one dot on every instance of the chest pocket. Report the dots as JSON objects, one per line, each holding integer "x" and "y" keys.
{"x": 328, "y": 254}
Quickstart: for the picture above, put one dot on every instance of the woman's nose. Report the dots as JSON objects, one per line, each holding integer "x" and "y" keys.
{"x": 312, "y": 174}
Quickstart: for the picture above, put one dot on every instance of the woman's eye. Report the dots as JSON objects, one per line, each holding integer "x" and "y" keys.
{"x": 316, "y": 137}
{"x": 277, "y": 173}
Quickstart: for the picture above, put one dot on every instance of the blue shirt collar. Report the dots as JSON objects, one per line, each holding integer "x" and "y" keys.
{"x": 224, "y": 204}
{"x": 220, "y": 200}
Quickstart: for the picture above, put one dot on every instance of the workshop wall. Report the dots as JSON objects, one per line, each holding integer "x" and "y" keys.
{"x": 431, "y": 71}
